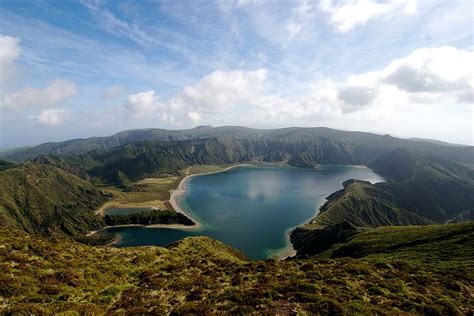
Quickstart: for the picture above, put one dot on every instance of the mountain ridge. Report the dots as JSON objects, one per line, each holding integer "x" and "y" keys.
{"x": 84, "y": 145}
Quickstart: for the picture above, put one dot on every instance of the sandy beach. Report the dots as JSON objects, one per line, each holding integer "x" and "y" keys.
{"x": 172, "y": 226}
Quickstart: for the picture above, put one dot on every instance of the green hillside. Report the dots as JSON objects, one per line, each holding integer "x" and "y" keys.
{"x": 307, "y": 146}
{"x": 4, "y": 165}
{"x": 81, "y": 146}
{"x": 43, "y": 199}
{"x": 135, "y": 161}
{"x": 138, "y": 160}
{"x": 419, "y": 191}
{"x": 393, "y": 270}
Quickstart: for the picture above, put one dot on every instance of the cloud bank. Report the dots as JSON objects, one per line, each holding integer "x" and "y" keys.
{"x": 426, "y": 76}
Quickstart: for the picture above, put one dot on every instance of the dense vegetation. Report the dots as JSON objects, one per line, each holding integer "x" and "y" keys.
{"x": 427, "y": 269}
{"x": 419, "y": 190}
{"x": 44, "y": 199}
{"x": 148, "y": 218}
{"x": 41, "y": 198}
{"x": 4, "y": 165}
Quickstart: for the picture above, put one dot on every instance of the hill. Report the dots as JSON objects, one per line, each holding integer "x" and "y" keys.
{"x": 421, "y": 270}
{"x": 81, "y": 146}
{"x": 437, "y": 142}
{"x": 324, "y": 143}
{"x": 420, "y": 190}
{"x": 298, "y": 147}
{"x": 423, "y": 188}
{"x": 43, "y": 199}
{"x": 139, "y": 160}
{"x": 4, "y": 165}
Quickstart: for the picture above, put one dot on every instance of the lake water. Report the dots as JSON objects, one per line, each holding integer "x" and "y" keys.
{"x": 251, "y": 208}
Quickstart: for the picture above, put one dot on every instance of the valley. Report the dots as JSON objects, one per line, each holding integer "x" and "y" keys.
{"x": 352, "y": 225}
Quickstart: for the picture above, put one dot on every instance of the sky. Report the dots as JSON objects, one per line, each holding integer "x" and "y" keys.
{"x": 74, "y": 69}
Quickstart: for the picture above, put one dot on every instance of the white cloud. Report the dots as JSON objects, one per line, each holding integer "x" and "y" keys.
{"x": 411, "y": 7}
{"x": 303, "y": 13}
{"x": 57, "y": 92}
{"x": 346, "y": 15}
{"x": 142, "y": 104}
{"x": 9, "y": 51}
{"x": 52, "y": 95}
{"x": 194, "y": 116}
{"x": 438, "y": 69}
{"x": 221, "y": 90}
{"x": 467, "y": 97}
{"x": 50, "y": 117}
{"x": 215, "y": 93}
{"x": 424, "y": 77}
{"x": 113, "y": 25}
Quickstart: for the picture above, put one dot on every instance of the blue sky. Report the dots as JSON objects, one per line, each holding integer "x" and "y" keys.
{"x": 91, "y": 68}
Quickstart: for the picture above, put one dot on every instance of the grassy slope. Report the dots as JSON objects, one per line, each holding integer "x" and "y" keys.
{"x": 431, "y": 244}
{"x": 425, "y": 270}
{"x": 362, "y": 204}
{"x": 420, "y": 190}
{"x": 44, "y": 199}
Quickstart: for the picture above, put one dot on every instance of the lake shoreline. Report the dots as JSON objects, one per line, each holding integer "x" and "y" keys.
{"x": 172, "y": 226}
{"x": 180, "y": 191}
{"x": 176, "y": 194}
{"x": 282, "y": 254}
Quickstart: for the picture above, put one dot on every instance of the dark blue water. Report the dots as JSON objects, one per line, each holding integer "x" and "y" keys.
{"x": 251, "y": 208}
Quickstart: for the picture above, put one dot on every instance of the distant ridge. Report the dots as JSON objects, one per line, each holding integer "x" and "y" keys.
{"x": 427, "y": 183}
{"x": 437, "y": 142}
{"x": 286, "y": 135}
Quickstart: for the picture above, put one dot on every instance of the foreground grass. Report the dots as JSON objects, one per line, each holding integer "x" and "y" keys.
{"x": 201, "y": 275}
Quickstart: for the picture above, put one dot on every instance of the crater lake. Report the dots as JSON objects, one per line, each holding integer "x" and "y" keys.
{"x": 251, "y": 208}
